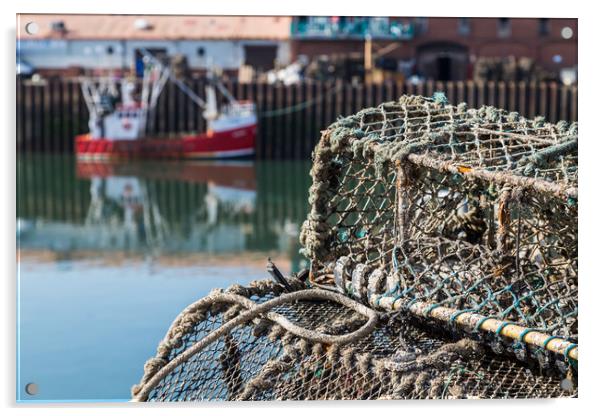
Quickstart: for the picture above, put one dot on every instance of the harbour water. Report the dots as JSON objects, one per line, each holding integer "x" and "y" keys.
{"x": 109, "y": 254}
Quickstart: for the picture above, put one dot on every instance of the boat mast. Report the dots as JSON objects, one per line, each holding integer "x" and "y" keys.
{"x": 167, "y": 73}
{"x": 209, "y": 107}
{"x": 153, "y": 82}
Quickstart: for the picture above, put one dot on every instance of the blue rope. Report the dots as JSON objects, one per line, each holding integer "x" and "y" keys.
{"x": 410, "y": 303}
{"x": 568, "y": 350}
{"x": 481, "y": 322}
{"x": 566, "y": 354}
{"x": 522, "y": 334}
{"x": 452, "y": 318}
{"x": 519, "y": 344}
{"x": 388, "y": 293}
{"x": 550, "y": 338}
{"x": 402, "y": 294}
{"x": 429, "y": 309}
{"x": 498, "y": 331}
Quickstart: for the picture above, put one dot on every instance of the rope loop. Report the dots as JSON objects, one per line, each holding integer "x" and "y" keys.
{"x": 480, "y": 323}
{"x": 567, "y": 350}
{"x": 264, "y": 309}
{"x": 521, "y": 337}
{"x": 519, "y": 346}
{"x": 498, "y": 331}
{"x": 550, "y": 338}
{"x": 454, "y": 316}
{"x": 428, "y": 310}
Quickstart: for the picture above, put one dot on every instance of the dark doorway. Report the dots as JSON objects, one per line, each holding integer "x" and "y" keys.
{"x": 260, "y": 57}
{"x": 444, "y": 68}
{"x": 443, "y": 61}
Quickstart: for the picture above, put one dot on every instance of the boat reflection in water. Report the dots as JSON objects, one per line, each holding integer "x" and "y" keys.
{"x": 125, "y": 210}
{"x": 163, "y": 209}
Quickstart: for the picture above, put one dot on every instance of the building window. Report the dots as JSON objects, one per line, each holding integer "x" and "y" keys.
{"x": 110, "y": 50}
{"x": 503, "y": 27}
{"x": 544, "y": 27}
{"x": 200, "y": 51}
{"x": 420, "y": 25}
{"x": 464, "y": 26}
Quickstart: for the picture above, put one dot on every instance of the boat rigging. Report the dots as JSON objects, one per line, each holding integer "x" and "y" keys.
{"x": 119, "y": 119}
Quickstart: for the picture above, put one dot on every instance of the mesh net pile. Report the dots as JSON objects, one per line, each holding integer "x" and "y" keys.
{"x": 454, "y": 213}
{"x": 260, "y": 360}
{"x": 443, "y": 249}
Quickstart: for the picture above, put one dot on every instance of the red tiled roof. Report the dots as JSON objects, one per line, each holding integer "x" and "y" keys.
{"x": 80, "y": 27}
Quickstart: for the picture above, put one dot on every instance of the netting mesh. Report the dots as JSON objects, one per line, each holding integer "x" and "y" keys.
{"x": 397, "y": 360}
{"x": 458, "y": 226}
{"x": 418, "y": 201}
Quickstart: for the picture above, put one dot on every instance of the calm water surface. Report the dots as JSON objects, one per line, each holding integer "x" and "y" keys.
{"x": 109, "y": 254}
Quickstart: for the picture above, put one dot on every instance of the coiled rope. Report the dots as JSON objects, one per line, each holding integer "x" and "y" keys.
{"x": 253, "y": 311}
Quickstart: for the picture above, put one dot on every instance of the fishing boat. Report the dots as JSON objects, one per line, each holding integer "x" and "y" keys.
{"x": 118, "y": 120}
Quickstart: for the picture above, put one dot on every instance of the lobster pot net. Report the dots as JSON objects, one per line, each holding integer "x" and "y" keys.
{"x": 260, "y": 359}
{"x": 466, "y": 217}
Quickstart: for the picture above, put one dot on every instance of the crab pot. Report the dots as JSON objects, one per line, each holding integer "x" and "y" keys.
{"x": 418, "y": 202}
{"x": 463, "y": 220}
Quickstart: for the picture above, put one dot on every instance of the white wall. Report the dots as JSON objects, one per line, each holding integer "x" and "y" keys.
{"x": 57, "y": 54}
{"x": 63, "y": 54}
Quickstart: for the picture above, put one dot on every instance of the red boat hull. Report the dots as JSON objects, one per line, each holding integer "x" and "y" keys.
{"x": 239, "y": 142}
